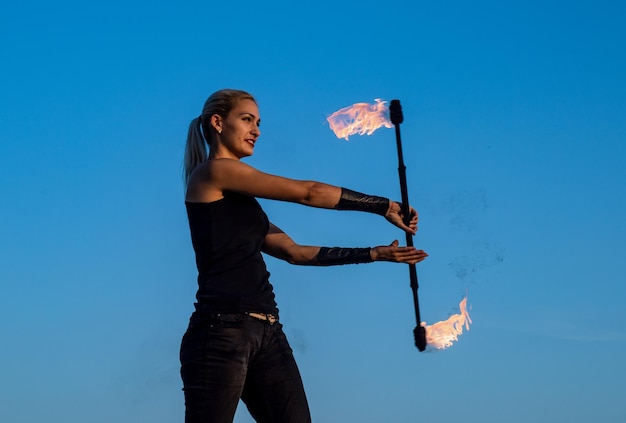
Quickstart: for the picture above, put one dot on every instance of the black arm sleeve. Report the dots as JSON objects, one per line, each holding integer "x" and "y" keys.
{"x": 335, "y": 255}
{"x": 352, "y": 200}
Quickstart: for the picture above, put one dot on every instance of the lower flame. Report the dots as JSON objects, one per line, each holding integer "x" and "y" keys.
{"x": 442, "y": 335}
{"x": 360, "y": 118}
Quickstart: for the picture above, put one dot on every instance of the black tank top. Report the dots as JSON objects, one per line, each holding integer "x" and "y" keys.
{"x": 227, "y": 236}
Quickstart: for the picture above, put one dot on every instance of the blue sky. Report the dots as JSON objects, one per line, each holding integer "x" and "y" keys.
{"x": 514, "y": 144}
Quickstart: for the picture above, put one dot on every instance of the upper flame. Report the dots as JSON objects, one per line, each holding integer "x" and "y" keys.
{"x": 360, "y": 118}
{"x": 442, "y": 334}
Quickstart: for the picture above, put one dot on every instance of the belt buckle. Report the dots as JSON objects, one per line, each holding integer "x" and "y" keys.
{"x": 266, "y": 317}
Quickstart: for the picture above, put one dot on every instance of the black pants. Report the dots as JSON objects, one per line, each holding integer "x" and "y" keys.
{"x": 225, "y": 358}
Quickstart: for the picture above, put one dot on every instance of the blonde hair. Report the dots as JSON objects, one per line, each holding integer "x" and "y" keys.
{"x": 201, "y": 132}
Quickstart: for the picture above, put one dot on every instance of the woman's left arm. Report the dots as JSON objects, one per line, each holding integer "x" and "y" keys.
{"x": 278, "y": 244}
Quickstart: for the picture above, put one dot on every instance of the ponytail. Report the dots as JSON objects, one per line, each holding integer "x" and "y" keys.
{"x": 195, "y": 149}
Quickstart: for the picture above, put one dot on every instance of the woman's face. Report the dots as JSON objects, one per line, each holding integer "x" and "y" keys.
{"x": 240, "y": 129}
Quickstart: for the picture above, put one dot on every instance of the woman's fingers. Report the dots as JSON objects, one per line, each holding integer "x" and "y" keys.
{"x": 395, "y": 216}
{"x": 393, "y": 253}
{"x": 411, "y": 257}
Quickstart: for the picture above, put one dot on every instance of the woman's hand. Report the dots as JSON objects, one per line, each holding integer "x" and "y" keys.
{"x": 396, "y": 217}
{"x": 393, "y": 253}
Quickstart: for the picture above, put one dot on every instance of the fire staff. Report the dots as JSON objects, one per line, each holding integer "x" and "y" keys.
{"x": 234, "y": 347}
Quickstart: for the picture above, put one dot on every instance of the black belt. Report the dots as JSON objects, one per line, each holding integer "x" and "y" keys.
{"x": 237, "y": 317}
{"x": 268, "y": 317}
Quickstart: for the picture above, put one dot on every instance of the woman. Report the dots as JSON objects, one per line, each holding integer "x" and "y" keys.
{"x": 234, "y": 346}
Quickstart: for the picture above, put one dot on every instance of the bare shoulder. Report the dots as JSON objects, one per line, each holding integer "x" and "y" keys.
{"x": 210, "y": 178}
{"x": 215, "y": 176}
{"x": 212, "y": 170}
{"x": 216, "y": 168}
{"x": 202, "y": 187}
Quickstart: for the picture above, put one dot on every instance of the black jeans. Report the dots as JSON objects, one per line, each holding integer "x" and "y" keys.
{"x": 228, "y": 357}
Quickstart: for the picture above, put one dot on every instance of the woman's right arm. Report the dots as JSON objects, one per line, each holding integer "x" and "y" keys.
{"x": 233, "y": 175}
{"x": 221, "y": 175}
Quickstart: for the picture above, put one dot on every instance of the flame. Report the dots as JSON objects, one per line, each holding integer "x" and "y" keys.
{"x": 360, "y": 118}
{"x": 442, "y": 334}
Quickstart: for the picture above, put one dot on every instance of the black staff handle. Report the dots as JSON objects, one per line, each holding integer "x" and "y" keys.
{"x": 395, "y": 112}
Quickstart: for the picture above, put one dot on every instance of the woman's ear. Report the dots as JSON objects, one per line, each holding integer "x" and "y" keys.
{"x": 216, "y": 123}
